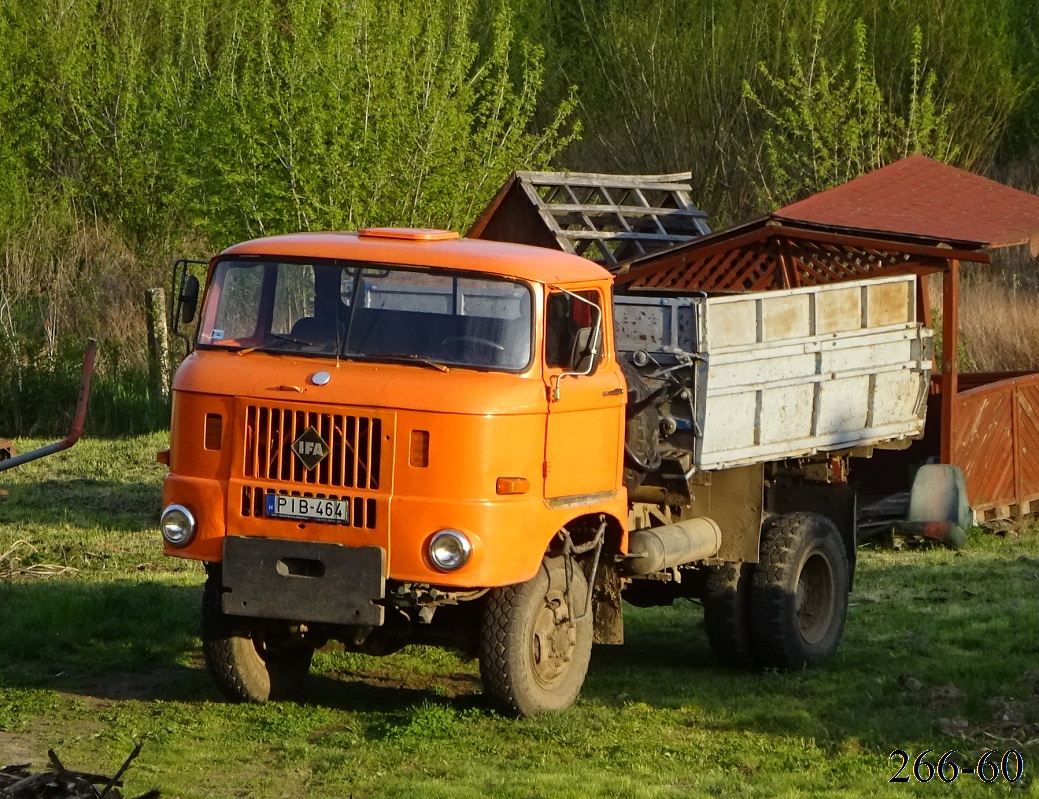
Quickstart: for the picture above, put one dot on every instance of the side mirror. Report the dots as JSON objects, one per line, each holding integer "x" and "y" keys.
{"x": 584, "y": 357}
{"x": 587, "y": 347}
{"x": 184, "y": 292}
{"x": 189, "y": 300}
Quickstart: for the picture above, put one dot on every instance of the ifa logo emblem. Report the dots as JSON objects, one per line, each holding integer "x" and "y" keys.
{"x": 310, "y": 448}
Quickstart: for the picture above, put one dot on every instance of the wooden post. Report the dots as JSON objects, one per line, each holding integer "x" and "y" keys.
{"x": 923, "y": 299}
{"x": 950, "y": 349}
{"x": 158, "y": 341}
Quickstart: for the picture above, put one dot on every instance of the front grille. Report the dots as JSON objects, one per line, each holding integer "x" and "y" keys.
{"x": 354, "y": 442}
{"x": 362, "y": 510}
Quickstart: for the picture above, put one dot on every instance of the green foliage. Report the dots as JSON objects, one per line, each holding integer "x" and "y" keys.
{"x": 39, "y": 397}
{"x": 335, "y": 117}
{"x": 827, "y": 123}
{"x": 135, "y": 131}
{"x": 659, "y": 85}
{"x": 18, "y": 707}
{"x": 261, "y": 117}
{"x": 432, "y": 723}
{"x": 661, "y": 82}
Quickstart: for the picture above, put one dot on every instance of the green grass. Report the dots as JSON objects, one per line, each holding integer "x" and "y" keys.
{"x": 41, "y": 400}
{"x": 941, "y": 651}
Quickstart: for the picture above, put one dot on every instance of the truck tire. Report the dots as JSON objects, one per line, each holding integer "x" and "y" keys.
{"x": 799, "y": 597}
{"x": 246, "y": 666}
{"x": 533, "y": 655}
{"x": 727, "y": 614}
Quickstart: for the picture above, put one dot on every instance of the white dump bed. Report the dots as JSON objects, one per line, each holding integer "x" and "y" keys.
{"x": 786, "y": 373}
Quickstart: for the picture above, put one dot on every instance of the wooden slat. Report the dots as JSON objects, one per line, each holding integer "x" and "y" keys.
{"x": 616, "y": 235}
{"x": 604, "y": 209}
{"x": 984, "y": 446}
{"x": 675, "y": 181}
{"x": 1027, "y": 440}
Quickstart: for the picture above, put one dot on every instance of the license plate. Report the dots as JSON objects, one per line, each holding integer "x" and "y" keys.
{"x": 313, "y": 509}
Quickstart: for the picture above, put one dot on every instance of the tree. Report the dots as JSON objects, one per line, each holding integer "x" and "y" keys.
{"x": 827, "y": 123}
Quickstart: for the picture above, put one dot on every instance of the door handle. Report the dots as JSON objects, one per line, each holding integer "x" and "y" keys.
{"x": 613, "y": 392}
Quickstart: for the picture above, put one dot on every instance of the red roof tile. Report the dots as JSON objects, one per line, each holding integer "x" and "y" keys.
{"x": 923, "y": 197}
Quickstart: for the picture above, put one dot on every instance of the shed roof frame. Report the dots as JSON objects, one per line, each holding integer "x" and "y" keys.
{"x": 609, "y": 219}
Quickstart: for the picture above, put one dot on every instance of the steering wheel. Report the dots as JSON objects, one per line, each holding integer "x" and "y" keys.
{"x": 483, "y": 342}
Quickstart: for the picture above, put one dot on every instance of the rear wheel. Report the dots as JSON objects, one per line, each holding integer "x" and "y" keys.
{"x": 727, "y": 614}
{"x": 800, "y": 591}
{"x": 248, "y": 658}
{"x": 533, "y": 654}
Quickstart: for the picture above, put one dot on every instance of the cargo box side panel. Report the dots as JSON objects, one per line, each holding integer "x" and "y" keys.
{"x": 807, "y": 370}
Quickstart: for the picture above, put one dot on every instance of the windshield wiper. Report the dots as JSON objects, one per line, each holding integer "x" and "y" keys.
{"x": 293, "y": 340}
{"x": 408, "y": 357}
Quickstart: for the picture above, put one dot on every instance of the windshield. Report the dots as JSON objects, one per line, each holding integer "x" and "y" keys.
{"x": 368, "y": 312}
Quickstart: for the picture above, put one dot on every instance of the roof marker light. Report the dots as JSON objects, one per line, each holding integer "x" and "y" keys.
{"x": 407, "y": 233}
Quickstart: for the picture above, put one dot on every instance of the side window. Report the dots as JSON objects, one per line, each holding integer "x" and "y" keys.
{"x": 573, "y": 330}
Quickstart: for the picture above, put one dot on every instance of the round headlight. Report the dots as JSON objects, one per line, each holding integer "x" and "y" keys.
{"x": 178, "y": 525}
{"x": 449, "y": 550}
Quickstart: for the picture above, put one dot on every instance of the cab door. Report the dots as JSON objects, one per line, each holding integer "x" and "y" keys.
{"x": 584, "y": 441}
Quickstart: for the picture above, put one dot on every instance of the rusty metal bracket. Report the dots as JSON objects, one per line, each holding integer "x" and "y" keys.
{"x": 77, "y": 421}
{"x": 570, "y": 551}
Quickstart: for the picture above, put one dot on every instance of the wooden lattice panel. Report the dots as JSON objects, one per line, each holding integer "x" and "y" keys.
{"x": 775, "y": 263}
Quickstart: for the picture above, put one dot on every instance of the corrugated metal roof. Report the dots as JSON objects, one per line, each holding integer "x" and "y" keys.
{"x": 920, "y": 196}
{"x": 609, "y": 219}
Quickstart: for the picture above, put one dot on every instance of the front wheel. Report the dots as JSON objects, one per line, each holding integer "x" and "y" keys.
{"x": 248, "y": 660}
{"x": 800, "y": 591}
{"x": 533, "y": 654}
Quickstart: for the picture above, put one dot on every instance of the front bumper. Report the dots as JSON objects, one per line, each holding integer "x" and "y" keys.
{"x": 304, "y": 581}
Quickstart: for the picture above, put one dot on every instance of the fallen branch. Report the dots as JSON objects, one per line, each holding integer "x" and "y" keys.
{"x": 60, "y": 782}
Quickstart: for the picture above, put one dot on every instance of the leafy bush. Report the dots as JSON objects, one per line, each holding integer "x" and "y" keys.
{"x": 138, "y": 131}
{"x": 829, "y": 123}
{"x": 661, "y": 82}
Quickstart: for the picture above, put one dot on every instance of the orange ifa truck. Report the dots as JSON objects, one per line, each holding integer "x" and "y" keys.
{"x": 400, "y": 436}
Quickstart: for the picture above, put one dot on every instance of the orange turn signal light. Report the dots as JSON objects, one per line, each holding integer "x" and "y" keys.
{"x": 214, "y": 431}
{"x": 419, "y": 455}
{"x": 512, "y": 485}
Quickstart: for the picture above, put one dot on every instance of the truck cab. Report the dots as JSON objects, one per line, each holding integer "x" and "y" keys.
{"x": 394, "y": 436}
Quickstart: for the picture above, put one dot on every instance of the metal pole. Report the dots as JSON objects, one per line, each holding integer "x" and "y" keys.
{"x": 77, "y": 421}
